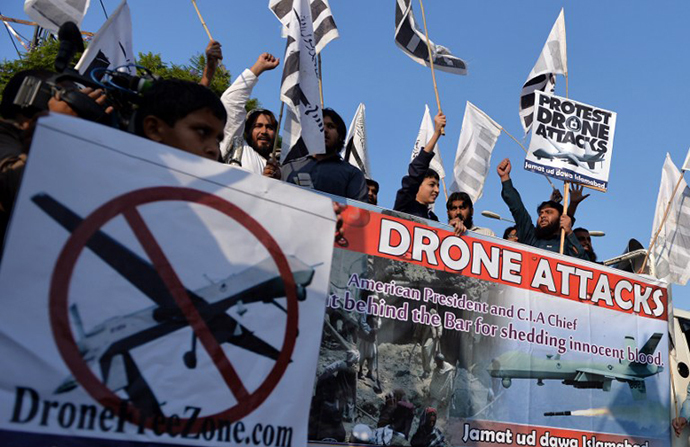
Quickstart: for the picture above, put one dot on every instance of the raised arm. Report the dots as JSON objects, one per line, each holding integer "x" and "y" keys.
{"x": 213, "y": 57}
{"x": 235, "y": 98}
{"x": 439, "y": 124}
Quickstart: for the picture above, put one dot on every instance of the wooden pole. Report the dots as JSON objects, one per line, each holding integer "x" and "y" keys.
{"x": 320, "y": 82}
{"x": 275, "y": 140}
{"x": 566, "y": 197}
{"x": 663, "y": 221}
{"x": 203, "y": 23}
{"x": 433, "y": 78}
{"x": 431, "y": 62}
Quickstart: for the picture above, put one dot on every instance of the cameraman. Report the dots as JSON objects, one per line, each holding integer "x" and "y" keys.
{"x": 15, "y": 119}
{"x": 16, "y": 131}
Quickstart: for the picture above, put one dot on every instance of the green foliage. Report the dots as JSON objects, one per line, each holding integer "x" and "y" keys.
{"x": 44, "y": 57}
{"x": 188, "y": 72}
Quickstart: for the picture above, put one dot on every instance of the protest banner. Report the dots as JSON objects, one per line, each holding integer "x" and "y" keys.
{"x": 152, "y": 297}
{"x": 539, "y": 349}
{"x": 571, "y": 141}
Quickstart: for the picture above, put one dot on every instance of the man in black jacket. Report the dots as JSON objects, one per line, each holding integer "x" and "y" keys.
{"x": 547, "y": 233}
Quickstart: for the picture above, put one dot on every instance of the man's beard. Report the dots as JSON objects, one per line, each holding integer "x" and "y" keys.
{"x": 264, "y": 152}
{"x": 591, "y": 254}
{"x": 468, "y": 223}
{"x": 548, "y": 231}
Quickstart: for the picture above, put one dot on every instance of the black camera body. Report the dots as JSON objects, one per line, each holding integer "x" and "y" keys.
{"x": 123, "y": 91}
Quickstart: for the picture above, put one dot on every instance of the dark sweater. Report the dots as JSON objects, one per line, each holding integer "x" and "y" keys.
{"x": 331, "y": 175}
{"x": 526, "y": 231}
{"x": 406, "y": 198}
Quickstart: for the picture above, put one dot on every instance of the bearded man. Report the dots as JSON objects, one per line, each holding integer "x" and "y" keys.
{"x": 551, "y": 219}
{"x": 460, "y": 211}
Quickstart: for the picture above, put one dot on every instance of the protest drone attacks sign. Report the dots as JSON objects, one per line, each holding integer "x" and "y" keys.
{"x": 571, "y": 141}
{"x": 540, "y": 349}
{"x": 154, "y": 297}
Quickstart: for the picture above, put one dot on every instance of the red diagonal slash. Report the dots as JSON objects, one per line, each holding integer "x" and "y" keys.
{"x": 179, "y": 293}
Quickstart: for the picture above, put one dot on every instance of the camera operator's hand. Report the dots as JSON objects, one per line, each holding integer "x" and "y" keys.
{"x": 213, "y": 57}
{"x": 57, "y": 105}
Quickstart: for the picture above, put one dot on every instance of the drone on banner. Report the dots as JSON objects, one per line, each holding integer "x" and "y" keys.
{"x": 110, "y": 343}
{"x": 582, "y": 374}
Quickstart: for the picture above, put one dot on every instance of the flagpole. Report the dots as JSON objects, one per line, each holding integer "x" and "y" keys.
{"x": 431, "y": 62}
{"x": 320, "y": 82}
{"x": 566, "y": 84}
{"x": 566, "y": 197}
{"x": 525, "y": 149}
{"x": 433, "y": 78}
{"x": 275, "y": 140}
{"x": 663, "y": 221}
{"x": 203, "y": 23}
{"x": 566, "y": 185}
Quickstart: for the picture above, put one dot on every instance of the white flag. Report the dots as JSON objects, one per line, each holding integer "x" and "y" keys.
{"x": 51, "y": 14}
{"x": 300, "y": 89}
{"x": 112, "y": 45}
{"x": 670, "y": 255}
{"x": 553, "y": 60}
{"x": 356, "y": 142}
{"x": 477, "y": 140}
{"x": 323, "y": 23}
{"x": 426, "y": 130}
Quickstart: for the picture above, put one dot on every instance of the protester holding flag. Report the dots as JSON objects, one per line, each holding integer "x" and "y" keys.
{"x": 546, "y": 235}
{"x": 248, "y": 137}
{"x": 214, "y": 55}
{"x": 420, "y": 185}
{"x": 328, "y": 172}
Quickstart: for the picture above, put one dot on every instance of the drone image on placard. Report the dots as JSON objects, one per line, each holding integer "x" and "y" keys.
{"x": 109, "y": 344}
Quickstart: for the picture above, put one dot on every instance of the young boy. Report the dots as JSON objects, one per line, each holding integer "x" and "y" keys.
{"x": 183, "y": 115}
{"x": 420, "y": 185}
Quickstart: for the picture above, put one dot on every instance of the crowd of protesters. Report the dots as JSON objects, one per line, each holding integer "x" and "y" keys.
{"x": 189, "y": 117}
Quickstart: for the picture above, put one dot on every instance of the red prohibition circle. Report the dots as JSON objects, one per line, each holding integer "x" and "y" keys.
{"x": 64, "y": 268}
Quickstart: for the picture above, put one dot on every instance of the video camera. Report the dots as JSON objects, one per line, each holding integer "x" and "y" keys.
{"x": 123, "y": 91}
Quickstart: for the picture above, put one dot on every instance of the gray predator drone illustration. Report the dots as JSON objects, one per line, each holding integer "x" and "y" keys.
{"x": 580, "y": 374}
{"x": 590, "y": 157}
{"x": 110, "y": 342}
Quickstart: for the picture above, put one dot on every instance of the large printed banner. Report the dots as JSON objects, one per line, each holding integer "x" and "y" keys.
{"x": 152, "y": 297}
{"x": 433, "y": 339}
{"x": 571, "y": 141}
